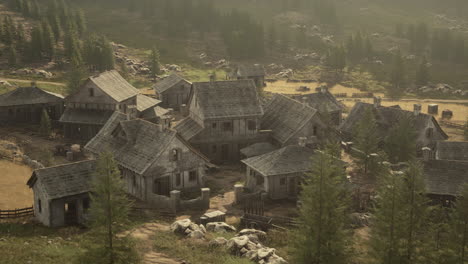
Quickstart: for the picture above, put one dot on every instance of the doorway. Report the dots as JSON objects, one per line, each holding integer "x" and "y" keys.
{"x": 71, "y": 215}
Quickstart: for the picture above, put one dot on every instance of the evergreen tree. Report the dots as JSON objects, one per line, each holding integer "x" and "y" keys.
{"x": 272, "y": 37}
{"x": 154, "y": 62}
{"x": 437, "y": 249}
{"x": 36, "y": 44}
{"x": 75, "y": 76}
{"x": 366, "y": 142}
{"x": 422, "y": 75}
{"x": 397, "y": 76}
{"x": 465, "y": 132}
{"x": 109, "y": 203}
{"x": 48, "y": 40}
{"x": 107, "y": 61}
{"x": 45, "y": 126}
{"x": 459, "y": 228}
{"x": 400, "y": 144}
{"x": 80, "y": 22}
{"x": 72, "y": 46}
{"x": 20, "y": 37}
{"x": 322, "y": 237}
{"x": 12, "y": 56}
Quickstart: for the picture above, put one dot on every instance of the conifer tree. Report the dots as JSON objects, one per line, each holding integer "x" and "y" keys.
{"x": 107, "y": 56}
{"x": 459, "y": 228}
{"x": 397, "y": 76}
{"x": 154, "y": 62}
{"x": 109, "y": 203}
{"x": 80, "y": 22}
{"x": 322, "y": 237}
{"x": 48, "y": 40}
{"x": 12, "y": 56}
{"x": 366, "y": 141}
{"x": 272, "y": 37}
{"x": 437, "y": 246}
{"x": 75, "y": 76}
{"x": 37, "y": 43}
{"x": 45, "y": 126}
{"x": 422, "y": 75}
{"x": 465, "y": 131}
{"x": 400, "y": 144}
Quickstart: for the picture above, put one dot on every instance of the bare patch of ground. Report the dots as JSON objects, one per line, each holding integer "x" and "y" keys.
{"x": 14, "y": 193}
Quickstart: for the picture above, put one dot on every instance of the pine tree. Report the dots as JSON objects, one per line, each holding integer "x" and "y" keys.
{"x": 154, "y": 62}
{"x": 12, "y": 56}
{"x": 45, "y": 126}
{"x": 437, "y": 246}
{"x": 366, "y": 142}
{"x": 48, "y": 40}
{"x": 37, "y": 43}
{"x": 72, "y": 46}
{"x": 400, "y": 144}
{"x": 459, "y": 228}
{"x": 107, "y": 61}
{"x": 80, "y": 22}
{"x": 75, "y": 76}
{"x": 272, "y": 37}
{"x": 397, "y": 76}
{"x": 422, "y": 75}
{"x": 109, "y": 203}
{"x": 322, "y": 237}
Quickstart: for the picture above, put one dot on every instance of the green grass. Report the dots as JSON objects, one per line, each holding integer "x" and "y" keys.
{"x": 51, "y": 87}
{"x": 194, "y": 251}
{"x": 201, "y": 74}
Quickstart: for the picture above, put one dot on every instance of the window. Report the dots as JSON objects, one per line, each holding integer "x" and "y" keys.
{"x": 178, "y": 179}
{"x": 193, "y": 176}
{"x": 252, "y": 125}
{"x": 91, "y": 92}
{"x": 214, "y": 125}
{"x": 315, "y": 129}
{"x": 283, "y": 181}
{"x": 85, "y": 204}
{"x": 39, "y": 205}
{"x": 134, "y": 180}
{"x": 227, "y": 126}
{"x": 175, "y": 155}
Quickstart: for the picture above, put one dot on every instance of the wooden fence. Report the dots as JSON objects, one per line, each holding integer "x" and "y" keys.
{"x": 452, "y": 124}
{"x": 17, "y": 213}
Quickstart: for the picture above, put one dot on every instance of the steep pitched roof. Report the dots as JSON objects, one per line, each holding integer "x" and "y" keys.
{"x": 155, "y": 112}
{"x": 250, "y": 70}
{"x": 285, "y": 117}
{"x": 445, "y": 177}
{"x": 65, "y": 180}
{"x": 452, "y": 150}
{"x": 136, "y": 144}
{"x": 85, "y": 116}
{"x": 29, "y": 96}
{"x": 145, "y": 102}
{"x": 168, "y": 82}
{"x": 257, "y": 149}
{"x": 188, "y": 128}
{"x": 227, "y": 99}
{"x": 322, "y": 101}
{"x": 386, "y": 117}
{"x": 290, "y": 159}
{"x": 113, "y": 84}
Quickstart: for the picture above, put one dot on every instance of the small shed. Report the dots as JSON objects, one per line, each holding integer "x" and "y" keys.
{"x": 173, "y": 91}
{"x": 255, "y": 72}
{"x": 61, "y": 193}
{"x": 26, "y": 104}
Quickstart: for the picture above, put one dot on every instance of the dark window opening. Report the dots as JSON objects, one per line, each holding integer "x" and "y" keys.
{"x": 39, "y": 205}
{"x": 161, "y": 186}
{"x": 260, "y": 180}
{"x": 175, "y": 154}
{"x": 214, "y": 125}
{"x": 315, "y": 129}
{"x": 91, "y": 92}
{"x": 252, "y": 125}
{"x": 192, "y": 176}
{"x": 178, "y": 179}
{"x": 134, "y": 180}
{"x": 227, "y": 126}
{"x": 85, "y": 204}
{"x": 283, "y": 181}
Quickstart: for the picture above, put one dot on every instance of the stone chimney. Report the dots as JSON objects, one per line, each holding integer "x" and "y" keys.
{"x": 302, "y": 141}
{"x": 377, "y": 101}
{"x": 132, "y": 112}
{"x": 417, "y": 109}
{"x": 427, "y": 154}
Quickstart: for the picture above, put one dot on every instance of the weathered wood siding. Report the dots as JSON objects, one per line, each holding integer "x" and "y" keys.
{"x": 44, "y": 216}
{"x": 176, "y": 96}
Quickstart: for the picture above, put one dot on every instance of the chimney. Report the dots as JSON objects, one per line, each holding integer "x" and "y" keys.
{"x": 132, "y": 112}
{"x": 417, "y": 109}
{"x": 377, "y": 101}
{"x": 302, "y": 141}
{"x": 427, "y": 154}
{"x": 323, "y": 89}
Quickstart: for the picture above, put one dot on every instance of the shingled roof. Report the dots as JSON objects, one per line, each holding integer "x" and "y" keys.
{"x": 85, "y": 116}
{"x": 29, "y": 96}
{"x": 452, "y": 150}
{"x": 65, "y": 180}
{"x": 168, "y": 82}
{"x": 136, "y": 144}
{"x": 188, "y": 128}
{"x": 145, "y": 102}
{"x": 322, "y": 101}
{"x": 285, "y": 117}
{"x": 257, "y": 149}
{"x": 250, "y": 70}
{"x": 113, "y": 84}
{"x": 445, "y": 177}
{"x": 223, "y": 99}
{"x": 386, "y": 117}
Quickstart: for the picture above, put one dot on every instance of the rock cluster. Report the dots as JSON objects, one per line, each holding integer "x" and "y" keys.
{"x": 441, "y": 88}
{"x": 220, "y": 227}
{"x": 189, "y": 229}
{"x": 38, "y": 72}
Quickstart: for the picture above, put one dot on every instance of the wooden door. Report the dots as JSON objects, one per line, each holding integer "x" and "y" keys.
{"x": 71, "y": 215}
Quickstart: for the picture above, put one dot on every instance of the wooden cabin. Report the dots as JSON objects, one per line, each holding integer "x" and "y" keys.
{"x": 173, "y": 91}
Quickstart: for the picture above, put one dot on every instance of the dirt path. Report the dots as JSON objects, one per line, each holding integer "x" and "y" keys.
{"x": 145, "y": 234}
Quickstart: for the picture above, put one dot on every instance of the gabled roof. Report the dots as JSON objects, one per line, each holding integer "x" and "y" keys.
{"x": 188, "y": 128}
{"x": 452, "y": 150}
{"x": 155, "y": 112}
{"x": 136, "y": 144}
{"x": 257, "y": 149}
{"x": 145, "y": 102}
{"x": 85, "y": 116}
{"x": 65, "y": 180}
{"x": 113, "y": 84}
{"x": 285, "y": 117}
{"x": 322, "y": 101}
{"x": 386, "y": 117}
{"x": 168, "y": 82}
{"x": 225, "y": 99}
{"x": 29, "y": 96}
{"x": 287, "y": 160}
{"x": 250, "y": 70}
{"x": 445, "y": 177}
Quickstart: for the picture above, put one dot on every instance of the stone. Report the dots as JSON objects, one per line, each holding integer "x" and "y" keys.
{"x": 243, "y": 251}
{"x": 202, "y": 228}
{"x": 238, "y": 242}
{"x": 180, "y": 226}
{"x": 252, "y": 246}
{"x": 197, "y": 234}
{"x": 194, "y": 227}
{"x": 275, "y": 259}
{"x": 251, "y": 255}
{"x": 217, "y": 242}
{"x": 253, "y": 238}
{"x": 260, "y": 234}
{"x": 265, "y": 252}
{"x": 220, "y": 227}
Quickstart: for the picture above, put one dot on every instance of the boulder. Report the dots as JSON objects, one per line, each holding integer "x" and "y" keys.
{"x": 265, "y": 252}
{"x": 218, "y": 242}
{"x": 220, "y": 227}
{"x": 197, "y": 234}
{"x": 275, "y": 259}
{"x": 251, "y": 255}
{"x": 180, "y": 226}
{"x": 237, "y": 243}
{"x": 260, "y": 234}
{"x": 202, "y": 228}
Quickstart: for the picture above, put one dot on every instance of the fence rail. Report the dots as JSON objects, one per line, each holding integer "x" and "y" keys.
{"x": 16, "y": 213}
{"x": 452, "y": 124}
